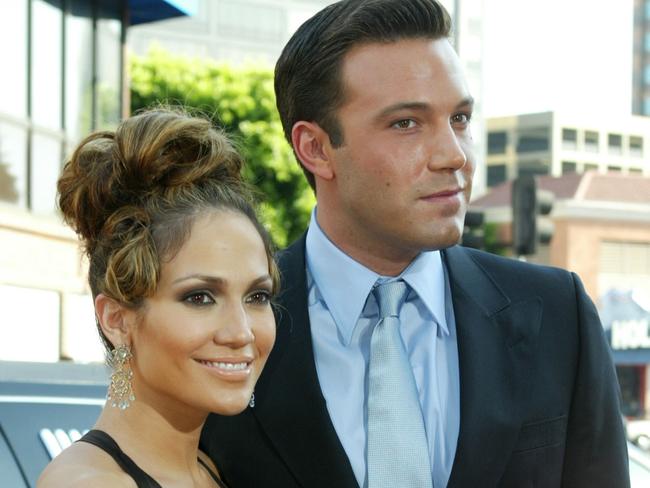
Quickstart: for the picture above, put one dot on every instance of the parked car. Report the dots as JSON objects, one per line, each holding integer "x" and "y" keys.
{"x": 639, "y": 467}
{"x": 43, "y": 408}
{"x": 638, "y": 431}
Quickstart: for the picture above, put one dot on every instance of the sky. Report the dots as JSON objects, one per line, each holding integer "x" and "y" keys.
{"x": 564, "y": 55}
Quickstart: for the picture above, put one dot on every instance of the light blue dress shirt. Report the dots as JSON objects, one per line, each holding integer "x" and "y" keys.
{"x": 342, "y": 316}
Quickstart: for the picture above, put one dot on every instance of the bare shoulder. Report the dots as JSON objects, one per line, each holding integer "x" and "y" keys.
{"x": 83, "y": 465}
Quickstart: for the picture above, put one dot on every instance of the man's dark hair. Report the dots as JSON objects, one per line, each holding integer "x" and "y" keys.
{"x": 308, "y": 73}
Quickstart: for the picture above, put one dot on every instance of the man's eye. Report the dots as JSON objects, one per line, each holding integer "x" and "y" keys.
{"x": 404, "y": 124}
{"x": 260, "y": 297}
{"x": 199, "y": 298}
{"x": 461, "y": 118}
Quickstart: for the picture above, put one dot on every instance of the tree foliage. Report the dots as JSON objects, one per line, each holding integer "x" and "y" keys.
{"x": 242, "y": 102}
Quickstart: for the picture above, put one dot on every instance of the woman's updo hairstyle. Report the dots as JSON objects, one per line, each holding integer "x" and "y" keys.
{"x": 133, "y": 194}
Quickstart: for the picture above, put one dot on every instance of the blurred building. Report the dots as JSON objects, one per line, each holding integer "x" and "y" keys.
{"x": 555, "y": 143}
{"x": 602, "y": 232}
{"x": 63, "y": 76}
{"x": 641, "y": 58}
{"x": 237, "y": 31}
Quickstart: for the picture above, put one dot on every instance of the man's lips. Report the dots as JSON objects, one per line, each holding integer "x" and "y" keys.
{"x": 443, "y": 194}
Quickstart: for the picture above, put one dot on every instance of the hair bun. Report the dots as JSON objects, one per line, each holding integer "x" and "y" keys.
{"x": 149, "y": 155}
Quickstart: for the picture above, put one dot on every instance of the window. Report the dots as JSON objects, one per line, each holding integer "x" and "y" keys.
{"x": 614, "y": 169}
{"x": 13, "y": 58}
{"x": 570, "y": 135}
{"x": 54, "y": 97}
{"x": 590, "y": 167}
{"x": 79, "y": 72}
{"x": 615, "y": 143}
{"x": 496, "y": 142}
{"x": 47, "y": 76}
{"x": 13, "y": 164}
{"x": 647, "y": 42}
{"x": 646, "y": 105}
{"x": 624, "y": 266}
{"x": 568, "y": 167}
{"x": 569, "y": 138}
{"x": 630, "y": 384}
{"x": 646, "y": 74}
{"x": 636, "y": 145}
{"x": 534, "y": 168}
{"x": 531, "y": 140}
{"x": 251, "y": 20}
{"x": 635, "y": 171}
{"x": 496, "y": 174}
{"x": 46, "y": 166}
{"x": 591, "y": 141}
{"x": 109, "y": 75}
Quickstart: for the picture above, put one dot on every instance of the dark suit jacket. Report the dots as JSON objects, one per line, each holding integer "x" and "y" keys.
{"x": 539, "y": 397}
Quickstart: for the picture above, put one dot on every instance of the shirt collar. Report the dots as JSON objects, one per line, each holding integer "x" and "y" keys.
{"x": 344, "y": 284}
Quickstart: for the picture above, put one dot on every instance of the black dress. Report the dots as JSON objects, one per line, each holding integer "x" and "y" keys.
{"x": 105, "y": 442}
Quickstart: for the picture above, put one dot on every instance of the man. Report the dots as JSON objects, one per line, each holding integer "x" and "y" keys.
{"x": 499, "y": 375}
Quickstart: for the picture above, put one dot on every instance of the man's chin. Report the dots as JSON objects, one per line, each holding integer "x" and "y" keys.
{"x": 442, "y": 242}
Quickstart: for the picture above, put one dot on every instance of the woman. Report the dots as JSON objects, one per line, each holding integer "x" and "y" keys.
{"x": 182, "y": 276}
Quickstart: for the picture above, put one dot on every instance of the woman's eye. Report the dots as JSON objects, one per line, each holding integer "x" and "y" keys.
{"x": 261, "y": 297}
{"x": 404, "y": 124}
{"x": 199, "y": 298}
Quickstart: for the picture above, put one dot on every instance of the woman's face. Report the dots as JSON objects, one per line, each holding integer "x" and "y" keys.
{"x": 205, "y": 335}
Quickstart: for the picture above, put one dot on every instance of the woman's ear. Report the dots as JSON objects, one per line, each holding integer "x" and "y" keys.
{"x": 313, "y": 148}
{"x": 114, "y": 319}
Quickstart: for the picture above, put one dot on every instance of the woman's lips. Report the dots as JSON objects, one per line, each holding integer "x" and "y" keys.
{"x": 231, "y": 369}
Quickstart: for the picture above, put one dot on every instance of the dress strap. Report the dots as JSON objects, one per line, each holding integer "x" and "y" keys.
{"x": 212, "y": 473}
{"x": 105, "y": 442}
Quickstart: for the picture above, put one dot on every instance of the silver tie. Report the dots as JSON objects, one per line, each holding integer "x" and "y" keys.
{"x": 398, "y": 454}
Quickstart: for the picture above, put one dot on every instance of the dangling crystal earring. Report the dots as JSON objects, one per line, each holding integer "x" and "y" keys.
{"x": 120, "y": 392}
{"x": 251, "y": 403}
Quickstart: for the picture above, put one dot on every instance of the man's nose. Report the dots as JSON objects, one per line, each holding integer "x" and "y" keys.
{"x": 446, "y": 151}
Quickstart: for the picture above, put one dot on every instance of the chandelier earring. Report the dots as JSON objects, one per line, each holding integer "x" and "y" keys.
{"x": 120, "y": 391}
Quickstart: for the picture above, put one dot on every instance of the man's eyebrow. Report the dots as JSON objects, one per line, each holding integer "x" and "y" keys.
{"x": 396, "y": 107}
{"x": 467, "y": 101}
{"x": 419, "y": 106}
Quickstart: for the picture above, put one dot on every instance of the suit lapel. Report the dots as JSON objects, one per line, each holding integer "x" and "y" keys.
{"x": 496, "y": 339}
{"x": 289, "y": 403}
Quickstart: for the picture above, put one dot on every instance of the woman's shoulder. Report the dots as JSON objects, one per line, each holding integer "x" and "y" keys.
{"x": 208, "y": 462}
{"x": 83, "y": 465}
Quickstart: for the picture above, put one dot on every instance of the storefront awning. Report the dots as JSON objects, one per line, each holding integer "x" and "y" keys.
{"x": 631, "y": 357}
{"x": 143, "y": 11}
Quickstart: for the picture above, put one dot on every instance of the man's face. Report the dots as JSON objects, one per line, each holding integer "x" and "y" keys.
{"x": 402, "y": 178}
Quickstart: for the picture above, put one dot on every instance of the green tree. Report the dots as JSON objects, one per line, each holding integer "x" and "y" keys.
{"x": 241, "y": 101}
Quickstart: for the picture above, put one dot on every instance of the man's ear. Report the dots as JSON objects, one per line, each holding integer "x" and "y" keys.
{"x": 312, "y": 146}
{"x": 114, "y": 319}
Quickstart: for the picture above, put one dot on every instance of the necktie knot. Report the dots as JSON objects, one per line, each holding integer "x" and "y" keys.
{"x": 390, "y": 297}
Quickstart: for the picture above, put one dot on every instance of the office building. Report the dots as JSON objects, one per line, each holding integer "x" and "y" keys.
{"x": 555, "y": 144}
{"x": 63, "y": 76}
